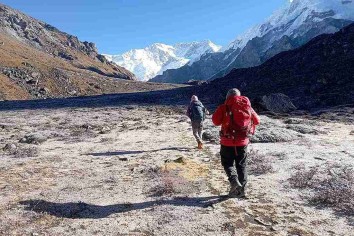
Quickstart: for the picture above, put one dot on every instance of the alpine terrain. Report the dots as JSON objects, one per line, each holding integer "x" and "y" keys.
{"x": 286, "y": 29}
{"x": 155, "y": 59}
{"x": 125, "y": 162}
{"x": 39, "y": 61}
{"x": 318, "y": 74}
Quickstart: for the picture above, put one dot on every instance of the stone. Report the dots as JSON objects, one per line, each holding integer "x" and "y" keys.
{"x": 262, "y": 222}
{"x": 32, "y": 81}
{"x": 123, "y": 158}
{"x": 180, "y": 160}
{"x": 129, "y": 107}
{"x": 275, "y": 102}
{"x": 9, "y": 147}
{"x": 44, "y": 90}
{"x": 35, "y": 74}
{"x": 34, "y": 139}
{"x": 211, "y": 135}
{"x": 105, "y": 130}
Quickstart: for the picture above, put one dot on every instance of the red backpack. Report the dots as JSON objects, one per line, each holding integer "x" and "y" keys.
{"x": 238, "y": 121}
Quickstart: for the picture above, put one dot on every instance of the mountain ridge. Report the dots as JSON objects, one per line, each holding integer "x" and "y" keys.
{"x": 286, "y": 29}
{"x": 39, "y": 61}
{"x": 154, "y": 59}
{"x": 317, "y": 74}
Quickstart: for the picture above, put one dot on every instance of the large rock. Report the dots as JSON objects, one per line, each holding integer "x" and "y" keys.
{"x": 273, "y": 131}
{"x": 10, "y": 147}
{"x": 276, "y": 102}
{"x": 34, "y": 139}
{"x": 211, "y": 135}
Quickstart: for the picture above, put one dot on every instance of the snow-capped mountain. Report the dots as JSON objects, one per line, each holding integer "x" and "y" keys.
{"x": 288, "y": 28}
{"x": 289, "y": 19}
{"x": 155, "y": 59}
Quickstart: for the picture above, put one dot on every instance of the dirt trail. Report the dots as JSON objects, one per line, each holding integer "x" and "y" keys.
{"x": 136, "y": 171}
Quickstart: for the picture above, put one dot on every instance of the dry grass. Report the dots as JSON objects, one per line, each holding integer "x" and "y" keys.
{"x": 188, "y": 169}
{"x": 303, "y": 177}
{"x": 181, "y": 177}
{"x": 332, "y": 186}
{"x": 170, "y": 183}
{"x": 26, "y": 152}
{"x": 259, "y": 164}
{"x": 337, "y": 190}
{"x": 23, "y": 152}
{"x": 168, "y": 110}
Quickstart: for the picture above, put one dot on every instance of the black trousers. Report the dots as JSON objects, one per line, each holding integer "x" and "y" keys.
{"x": 234, "y": 161}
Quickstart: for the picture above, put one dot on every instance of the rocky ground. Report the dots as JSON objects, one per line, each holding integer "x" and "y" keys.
{"x": 134, "y": 170}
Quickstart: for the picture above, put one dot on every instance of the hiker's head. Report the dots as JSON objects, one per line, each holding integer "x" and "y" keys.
{"x": 194, "y": 98}
{"x": 233, "y": 92}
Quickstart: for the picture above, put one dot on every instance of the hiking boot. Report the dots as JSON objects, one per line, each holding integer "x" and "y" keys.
{"x": 242, "y": 193}
{"x": 200, "y": 145}
{"x": 235, "y": 189}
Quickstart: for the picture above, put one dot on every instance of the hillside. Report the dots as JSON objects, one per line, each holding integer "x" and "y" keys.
{"x": 39, "y": 61}
{"x": 288, "y": 28}
{"x": 318, "y": 74}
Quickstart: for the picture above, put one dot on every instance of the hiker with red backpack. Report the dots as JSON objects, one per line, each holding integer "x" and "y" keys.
{"x": 238, "y": 121}
{"x": 197, "y": 113}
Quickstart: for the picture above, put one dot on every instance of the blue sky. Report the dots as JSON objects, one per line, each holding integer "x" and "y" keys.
{"x": 119, "y": 25}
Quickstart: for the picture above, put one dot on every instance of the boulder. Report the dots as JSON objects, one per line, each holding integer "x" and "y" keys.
{"x": 211, "y": 135}
{"x": 9, "y": 147}
{"x": 196, "y": 82}
{"x": 34, "y": 139}
{"x": 275, "y": 102}
{"x": 273, "y": 131}
{"x": 44, "y": 90}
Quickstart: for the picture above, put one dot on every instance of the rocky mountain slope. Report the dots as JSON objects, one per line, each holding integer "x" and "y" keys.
{"x": 155, "y": 59}
{"x": 286, "y": 29}
{"x": 39, "y": 61}
{"x": 318, "y": 74}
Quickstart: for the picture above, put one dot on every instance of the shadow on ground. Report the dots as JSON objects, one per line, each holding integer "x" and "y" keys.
{"x": 83, "y": 210}
{"x": 177, "y": 96}
{"x": 122, "y": 153}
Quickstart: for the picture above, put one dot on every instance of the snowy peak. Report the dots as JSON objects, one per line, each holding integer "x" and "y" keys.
{"x": 293, "y": 15}
{"x": 194, "y": 50}
{"x": 153, "y": 60}
{"x": 290, "y": 27}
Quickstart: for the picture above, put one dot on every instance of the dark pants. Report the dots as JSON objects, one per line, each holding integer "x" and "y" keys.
{"x": 234, "y": 161}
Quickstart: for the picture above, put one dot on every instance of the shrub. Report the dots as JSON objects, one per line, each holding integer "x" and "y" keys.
{"x": 303, "y": 178}
{"x": 337, "y": 190}
{"x": 25, "y": 152}
{"x": 169, "y": 183}
{"x": 332, "y": 186}
{"x": 259, "y": 164}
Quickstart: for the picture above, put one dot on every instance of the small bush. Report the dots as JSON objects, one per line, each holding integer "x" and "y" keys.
{"x": 259, "y": 164}
{"x": 107, "y": 140}
{"x": 332, "y": 186}
{"x": 25, "y": 152}
{"x": 169, "y": 183}
{"x": 337, "y": 190}
{"x": 303, "y": 178}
